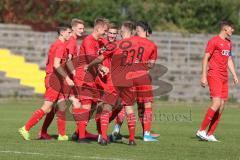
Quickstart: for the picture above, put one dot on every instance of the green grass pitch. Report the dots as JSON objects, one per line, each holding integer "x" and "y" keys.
{"x": 176, "y": 122}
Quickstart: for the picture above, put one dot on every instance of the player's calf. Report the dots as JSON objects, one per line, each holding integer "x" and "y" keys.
{"x": 37, "y": 115}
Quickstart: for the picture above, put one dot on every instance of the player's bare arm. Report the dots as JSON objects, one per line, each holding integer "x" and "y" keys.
{"x": 96, "y": 61}
{"x": 61, "y": 71}
{"x": 103, "y": 70}
{"x": 151, "y": 64}
{"x": 232, "y": 70}
{"x": 204, "y": 69}
{"x": 70, "y": 66}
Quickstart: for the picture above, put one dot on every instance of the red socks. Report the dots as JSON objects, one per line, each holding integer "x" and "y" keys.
{"x": 82, "y": 122}
{"x": 207, "y": 119}
{"x": 104, "y": 120}
{"x": 147, "y": 121}
{"x": 145, "y": 117}
{"x": 37, "y": 115}
{"x": 61, "y": 122}
{"x": 131, "y": 118}
{"x": 48, "y": 120}
{"x": 120, "y": 117}
{"x": 214, "y": 123}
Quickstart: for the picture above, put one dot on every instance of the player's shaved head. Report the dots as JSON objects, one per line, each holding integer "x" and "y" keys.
{"x": 128, "y": 25}
{"x": 127, "y": 29}
{"x": 101, "y": 22}
{"x": 100, "y": 27}
{"x": 76, "y": 21}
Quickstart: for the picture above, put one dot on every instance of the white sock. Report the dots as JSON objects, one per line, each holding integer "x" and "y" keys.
{"x": 117, "y": 128}
{"x": 147, "y": 133}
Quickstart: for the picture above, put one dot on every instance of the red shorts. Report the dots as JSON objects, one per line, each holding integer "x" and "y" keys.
{"x": 107, "y": 90}
{"x": 127, "y": 95}
{"x": 86, "y": 87}
{"x": 110, "y": 94}
{"x": 144, "y": 93}
{"x": 51, "y": 94}
{"x": 218, "y": 87}
{"x": 143, "y": 89}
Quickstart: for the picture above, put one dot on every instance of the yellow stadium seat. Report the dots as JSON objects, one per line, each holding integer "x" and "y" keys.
{"x": 29, "y": 74}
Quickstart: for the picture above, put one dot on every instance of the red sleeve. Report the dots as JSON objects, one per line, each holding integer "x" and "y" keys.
{"x": 110, "y": 49}
{"x": 71, "y": 47}
{"x": 154, "y": 55}
{"x": 60, "y": 49}
{"x": 210, "y": 47}
{"x": 107, "y": 54}
{"x": 102, "y": 42}
{"x": 89, "y": 47}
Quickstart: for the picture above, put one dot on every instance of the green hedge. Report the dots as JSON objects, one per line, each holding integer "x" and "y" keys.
{"x": 164, "y": 15}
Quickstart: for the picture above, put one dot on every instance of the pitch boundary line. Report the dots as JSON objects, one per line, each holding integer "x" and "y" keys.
{"x": 59, "y": 155}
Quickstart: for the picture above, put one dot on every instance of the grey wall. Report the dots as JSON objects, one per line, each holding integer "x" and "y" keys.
{"x": 181, "y": 54}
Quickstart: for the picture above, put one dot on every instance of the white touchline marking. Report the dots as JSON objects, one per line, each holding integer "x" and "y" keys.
{"x": 58, "y": 155}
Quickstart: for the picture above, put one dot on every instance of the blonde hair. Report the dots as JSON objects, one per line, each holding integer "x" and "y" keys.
{"x": 101, "y": 21}
{"x": 76, "y": 21}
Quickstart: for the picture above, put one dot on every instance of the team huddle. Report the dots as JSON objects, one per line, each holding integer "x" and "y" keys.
{"x": 107, "y": 76}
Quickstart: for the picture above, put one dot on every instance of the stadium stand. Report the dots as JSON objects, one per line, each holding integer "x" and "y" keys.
{"x": 11, "y": 87}
{"x": 29, "y": 74}
{"x": 180, "y": 53}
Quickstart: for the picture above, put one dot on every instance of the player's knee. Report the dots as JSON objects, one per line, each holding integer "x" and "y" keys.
{"x": 62, "y": 106}
{"x": 148, "y": 105}
{"x": 129, "y": 109}
{"x": 47, "y": 106}
{"x": 216, "y": 104}
{"x": 107, "y": 107}
{"x": 86, "y": 106}
{"x": 46, "y": 109}
{"x": 76, "y": 104}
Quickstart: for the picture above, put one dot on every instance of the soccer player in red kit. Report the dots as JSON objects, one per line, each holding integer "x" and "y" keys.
{"x": 104, "y": 80}
{"x": 88, "y": 51}
{"x": 111, "y": 37}
{"x": 103, "y": 69}
{"x": 144, "y": 92}
{"x": 218, "y": 59}
{"x": 121, "y": 64}
{"x": 57, "y": 55}
{"x": 77, "y": 31}
{"x": 71, "y": 48}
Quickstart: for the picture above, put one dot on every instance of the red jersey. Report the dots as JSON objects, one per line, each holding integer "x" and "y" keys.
{"x": 127, "y": 57}
{"x": 72, "y": 46}
{"x": 89, "y": 46}
{"x": 150, "y": 49}
{"x": 88, "y": 52}
{"x": 57, "y": 49}
{"x": 103, "y": 42}
{"x": 89, "y": 49}
{"x": 219, "y": 50}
